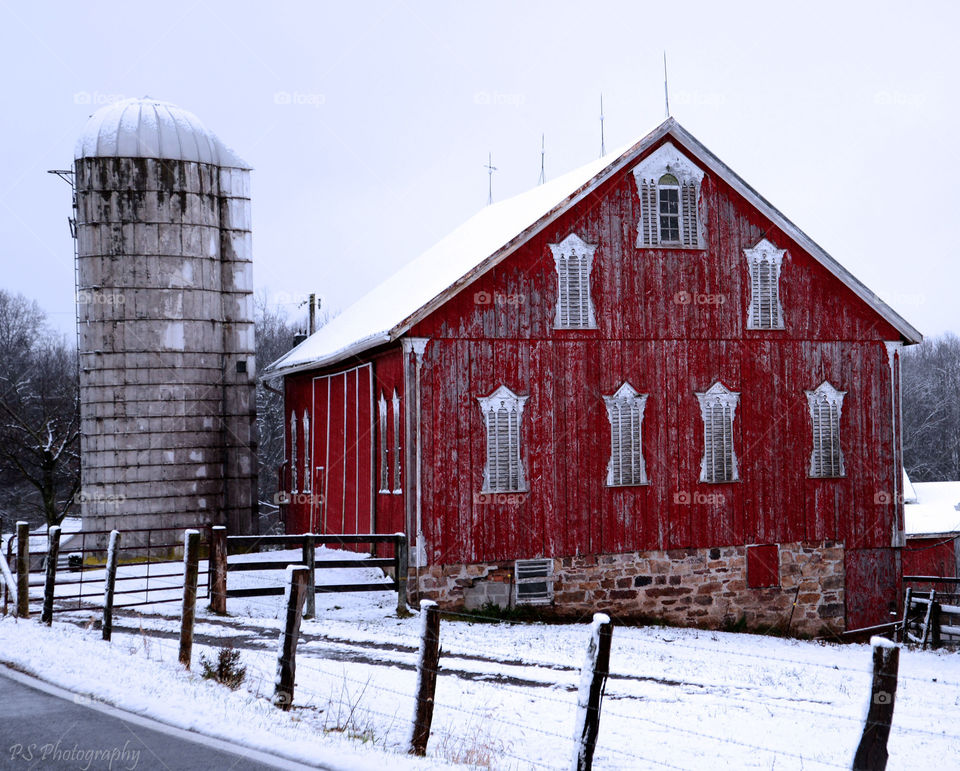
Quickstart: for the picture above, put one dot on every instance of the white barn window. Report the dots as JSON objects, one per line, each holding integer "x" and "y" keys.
{"x": 396, "y": 443}
{"x": 625, "y": 411}
{"x": 574, "y": 260}
{"x": 384, "y": 447}
{"x": 668, "y": 184}
{"x": 293, "y": 453}
{"x": 764, "y": 261}
{"x": 502, "y": 415}
{"x": 826, "y": 404}
{"x": 718, "y": 407}
{"x": 307, "y": 476}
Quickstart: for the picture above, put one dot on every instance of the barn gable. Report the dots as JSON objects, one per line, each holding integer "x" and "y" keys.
{"x": 492, "y": 235}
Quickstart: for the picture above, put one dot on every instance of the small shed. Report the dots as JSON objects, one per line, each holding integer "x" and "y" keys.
{"x": 932, "y": 514}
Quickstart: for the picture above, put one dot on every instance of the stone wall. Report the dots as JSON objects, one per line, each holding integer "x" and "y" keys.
{"x": 689, "y": 587}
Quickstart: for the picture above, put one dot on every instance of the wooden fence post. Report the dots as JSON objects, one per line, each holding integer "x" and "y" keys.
{"x": 401, "y": 559}
{"x": 309, "y": 559}
{"x": 191, "y": 559}
{"x": 906, "y": 614}
{"x": 427, "y": 665}
{"x": 935, "y": 611}
{"x": 53, "y": 554}
{"x": 109, "y": 582}
{"x": 872, "y": 753}
{"x": 287, "y": 652}
{"x": 218, "y": 569}
{"x": 593, "y": 680}
{"x": 23, "y": 569}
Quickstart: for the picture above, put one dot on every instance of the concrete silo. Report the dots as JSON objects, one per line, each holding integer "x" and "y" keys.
{"x": 165, "y": 323}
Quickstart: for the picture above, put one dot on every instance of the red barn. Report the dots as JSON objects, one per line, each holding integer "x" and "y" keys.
{"x": 637, "y": 388}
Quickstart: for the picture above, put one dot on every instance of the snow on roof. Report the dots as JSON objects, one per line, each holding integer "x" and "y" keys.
{"x": 147, "y": 128}
{"x": 937, "y": 509}
{"x": 909, "y": 493}
{"x": 372, "y": 319}
{"x": 391, "y": 308}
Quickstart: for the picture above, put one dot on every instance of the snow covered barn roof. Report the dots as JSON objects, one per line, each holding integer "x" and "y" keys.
{"x": 935, "y": 511}
{"x": 490, "y": 236}
{"x": 147, "y": 128}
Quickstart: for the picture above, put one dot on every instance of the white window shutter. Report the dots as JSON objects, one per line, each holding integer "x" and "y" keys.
{"x": 718, "y": 407}
{"x": 502, "y": 414}
{"x": 688, "y": 215}
{"x": 574, "y": 262}
{"x": 384, "y": 446}
{"x": 764, "y": 261}
{"x": 395, "y": 402}
{"x": 826, "y": 405}
{"x": 649, "y": 214}
{"x": 625, "y": 410}
{"x": 307, "y": 476}
{"x": 293, "y": 453}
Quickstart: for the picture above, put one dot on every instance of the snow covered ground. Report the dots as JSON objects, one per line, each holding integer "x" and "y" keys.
{"x": 506, "y": 693}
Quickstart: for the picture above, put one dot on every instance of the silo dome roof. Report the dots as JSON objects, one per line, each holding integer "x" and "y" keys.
{"x": 147, "y": 128}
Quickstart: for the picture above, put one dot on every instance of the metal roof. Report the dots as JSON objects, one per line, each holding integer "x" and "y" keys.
{"x": 148, "y": 128}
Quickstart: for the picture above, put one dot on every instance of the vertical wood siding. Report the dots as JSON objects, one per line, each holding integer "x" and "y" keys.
{"x": 671, "y": 322}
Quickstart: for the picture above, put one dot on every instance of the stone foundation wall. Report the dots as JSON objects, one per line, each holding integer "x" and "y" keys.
{"x": 689, "y": 587}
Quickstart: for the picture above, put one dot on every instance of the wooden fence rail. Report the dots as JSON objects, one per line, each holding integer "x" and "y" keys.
{"x": 307, "y": 542}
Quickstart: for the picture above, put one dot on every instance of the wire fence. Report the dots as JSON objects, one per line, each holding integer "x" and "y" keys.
{"x": 549, "y": 689}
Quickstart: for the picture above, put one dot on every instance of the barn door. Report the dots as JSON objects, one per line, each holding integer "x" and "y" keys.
{"x": 343, "y": 441}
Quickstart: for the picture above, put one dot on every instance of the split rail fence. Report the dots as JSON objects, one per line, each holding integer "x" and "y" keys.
{"x": 146, "y": 566}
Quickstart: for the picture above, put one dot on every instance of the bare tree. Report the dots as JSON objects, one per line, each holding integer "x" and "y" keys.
{"x": 274, "y": 338}
{"x": 39, "y": 413}
{"x": 931, "y": 409}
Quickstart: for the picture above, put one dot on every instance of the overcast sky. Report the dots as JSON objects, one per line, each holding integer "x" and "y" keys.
{"x": 368, "y": 124}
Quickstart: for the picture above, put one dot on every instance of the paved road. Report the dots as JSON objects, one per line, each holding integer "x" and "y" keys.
{"x": 44, "y": 727}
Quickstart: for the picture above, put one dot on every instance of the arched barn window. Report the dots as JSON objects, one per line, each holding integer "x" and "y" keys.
{"x": 764, "y": 261}
{"x": 718, "y": 407}
{"x": 668, "y": 184}
{"x": 293, "y": 452}
{"x": 574, "y": 261}
{"x": 826, "y": 403}
{"x": 625, "y": 411}
{"x": 502, "y": 414}
{"x": 668, "y": 200}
